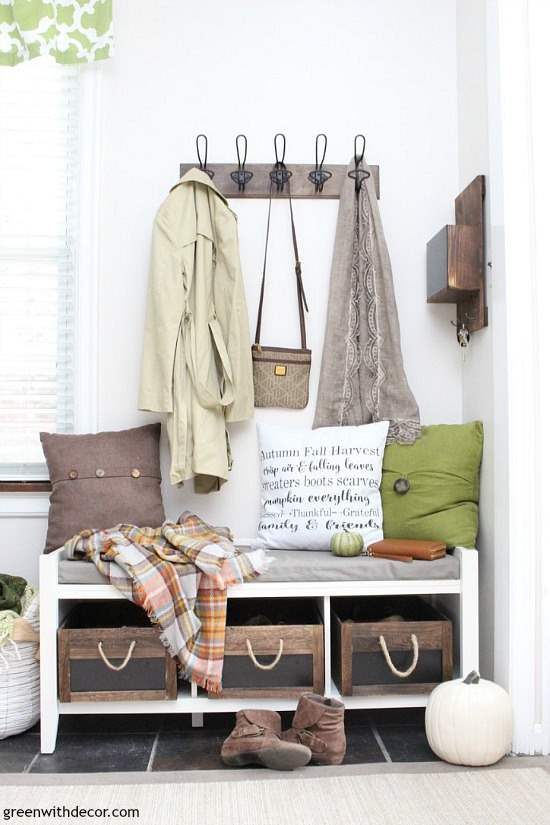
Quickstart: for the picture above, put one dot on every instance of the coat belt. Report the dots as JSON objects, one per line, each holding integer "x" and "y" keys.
{"x": 205, "y": 395}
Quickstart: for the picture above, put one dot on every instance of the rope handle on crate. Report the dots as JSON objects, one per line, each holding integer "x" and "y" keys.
{"x": 275, "y": 661}
{"x": 109, "y": 664}
{"x": 412, "y": 667}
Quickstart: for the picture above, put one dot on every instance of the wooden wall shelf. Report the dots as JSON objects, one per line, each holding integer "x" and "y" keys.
{"x": 456, "y": 260}
{"x": 301, "y": 187}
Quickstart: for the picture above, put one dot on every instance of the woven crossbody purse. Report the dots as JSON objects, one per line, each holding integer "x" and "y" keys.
{"x": 281, "y": 374}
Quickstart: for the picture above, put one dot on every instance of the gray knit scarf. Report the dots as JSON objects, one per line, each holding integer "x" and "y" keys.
{"x": 362, "y": 375}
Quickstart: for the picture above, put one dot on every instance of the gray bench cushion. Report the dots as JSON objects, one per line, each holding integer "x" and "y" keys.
{"x": 307, "y": 565}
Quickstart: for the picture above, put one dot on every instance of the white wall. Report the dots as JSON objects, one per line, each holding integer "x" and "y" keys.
{"x": 519, "y": 63}
{"x": 23, "y": 535}
{"x": 385, "y": 69}
{"x": 477, "y": 376}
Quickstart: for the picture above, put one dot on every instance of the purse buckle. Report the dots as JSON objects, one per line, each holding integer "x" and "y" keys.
{"x": 280, "y": 370}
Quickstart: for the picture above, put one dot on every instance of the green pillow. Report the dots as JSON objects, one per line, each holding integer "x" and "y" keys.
{"x": 438, "y": 477}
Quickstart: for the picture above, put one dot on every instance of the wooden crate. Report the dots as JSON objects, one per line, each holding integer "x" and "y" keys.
{"x": 294, "y": 640}
{"x": 359, "y": 665}
{"x": 112, "y": 629}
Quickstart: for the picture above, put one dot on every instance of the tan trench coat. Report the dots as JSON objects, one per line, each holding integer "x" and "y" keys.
{"x": 197, "y": 363}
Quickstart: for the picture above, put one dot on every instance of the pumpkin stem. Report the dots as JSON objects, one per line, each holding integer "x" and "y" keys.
{"x": 472, "y": 678}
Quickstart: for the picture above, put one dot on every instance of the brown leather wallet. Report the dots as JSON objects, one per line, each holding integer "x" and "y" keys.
{"x": 407, "y": 550}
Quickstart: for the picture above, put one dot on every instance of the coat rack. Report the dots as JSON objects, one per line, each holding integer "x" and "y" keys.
{"x": 255, "y": 180}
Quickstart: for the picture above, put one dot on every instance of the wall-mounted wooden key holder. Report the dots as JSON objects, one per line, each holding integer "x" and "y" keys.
{"x": 456, "y": 260}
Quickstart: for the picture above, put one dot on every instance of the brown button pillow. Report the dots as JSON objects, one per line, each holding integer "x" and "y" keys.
{"x": 101, "y": 480}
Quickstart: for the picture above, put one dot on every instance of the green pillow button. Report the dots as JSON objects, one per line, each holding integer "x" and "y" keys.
{"x": 401, "y": 486}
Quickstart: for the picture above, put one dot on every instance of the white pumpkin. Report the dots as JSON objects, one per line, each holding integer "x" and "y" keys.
{"x": 469, "y": 721}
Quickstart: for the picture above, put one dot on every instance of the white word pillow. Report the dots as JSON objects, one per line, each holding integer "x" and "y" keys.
{"x": 318, "y": 482}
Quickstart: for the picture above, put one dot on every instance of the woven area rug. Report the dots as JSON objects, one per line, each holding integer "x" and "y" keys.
{"x": 482, "y": 797}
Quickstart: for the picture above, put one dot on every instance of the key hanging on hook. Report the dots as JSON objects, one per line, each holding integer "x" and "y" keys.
{"x": 319, "y": 176}
{"x": 462, "y": 336}
{"x": 202, "y": 163}
{"x": 359, "y": 174}
{"x": 241, "y": 176}
{"x": 280, "y": 174}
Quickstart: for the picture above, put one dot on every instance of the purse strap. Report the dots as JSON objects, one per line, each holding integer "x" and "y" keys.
{"x": 302, "y": 303}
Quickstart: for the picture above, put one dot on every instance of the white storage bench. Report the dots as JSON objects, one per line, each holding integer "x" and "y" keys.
{"x": 451, "y": 582}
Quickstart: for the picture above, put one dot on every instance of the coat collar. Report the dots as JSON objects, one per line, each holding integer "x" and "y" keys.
{"x": 195, "y": 175}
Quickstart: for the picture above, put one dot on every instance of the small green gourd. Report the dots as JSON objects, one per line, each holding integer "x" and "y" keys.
{"x": 346, "y": 544}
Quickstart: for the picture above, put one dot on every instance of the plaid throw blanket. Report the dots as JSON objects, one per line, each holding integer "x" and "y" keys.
{"x": 178, "y": 573}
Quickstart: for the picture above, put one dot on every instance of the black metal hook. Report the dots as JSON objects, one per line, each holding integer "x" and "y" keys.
{"x": 241, "y": 176}
{"x": 202, "y": 163}
{"x": 358, "y": 158}
{"x": 319, "y": 175}
{"x": 242, "y": 162}
{"x": 359, "y": 174}
{"x": 277, "y": 158}
{"x": 280, "y": 174}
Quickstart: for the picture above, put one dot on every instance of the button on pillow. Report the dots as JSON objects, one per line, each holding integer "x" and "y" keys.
{"x": 430, "y": 489}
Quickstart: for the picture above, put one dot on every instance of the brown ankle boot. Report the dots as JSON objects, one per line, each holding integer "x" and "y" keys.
{"x": 256, "y": 740}
{"x": 319, "y": 724}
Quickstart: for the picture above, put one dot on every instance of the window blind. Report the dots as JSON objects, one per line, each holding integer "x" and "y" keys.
{"x": 39, "y": 106}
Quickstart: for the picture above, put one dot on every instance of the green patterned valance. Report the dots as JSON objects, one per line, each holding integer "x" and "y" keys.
{"x": 72, "y": 31}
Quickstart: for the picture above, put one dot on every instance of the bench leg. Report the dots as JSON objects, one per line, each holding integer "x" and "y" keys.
{"x": 328, "y": 645}
{"x": 49, "y": 622}
{"x": 197, "y": 720}
{"x": 469, "y": 611}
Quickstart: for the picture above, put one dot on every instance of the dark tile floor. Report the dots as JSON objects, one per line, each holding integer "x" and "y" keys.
{"x": 89, "y": 744}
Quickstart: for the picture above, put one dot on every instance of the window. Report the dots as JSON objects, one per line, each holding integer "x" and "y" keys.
{"x": 39, "y": 155}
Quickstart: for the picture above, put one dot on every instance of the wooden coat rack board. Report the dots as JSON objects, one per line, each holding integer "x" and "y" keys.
{"x": 300, "y": 185}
